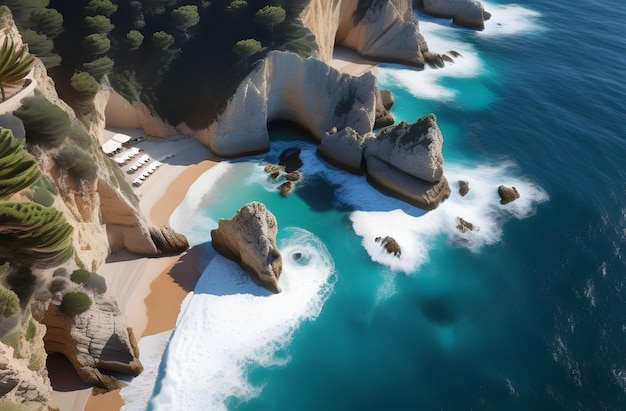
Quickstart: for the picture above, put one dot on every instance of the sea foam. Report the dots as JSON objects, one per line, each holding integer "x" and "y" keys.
{"x": 229, "y": 322}
{"x": 481, "y": 207}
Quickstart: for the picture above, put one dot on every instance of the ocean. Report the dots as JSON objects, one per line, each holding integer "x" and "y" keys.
{"x": 528, "y": 312}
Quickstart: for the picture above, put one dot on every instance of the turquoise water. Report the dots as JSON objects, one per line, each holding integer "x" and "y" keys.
{"x": 527, "y": 313}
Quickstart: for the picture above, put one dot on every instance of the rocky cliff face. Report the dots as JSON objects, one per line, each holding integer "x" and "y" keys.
{"x": 249, "y": 238}
{"x": 386, "y": 30}
{"x": 96, "y": 342}
{"x": 466, "y": 13}
{"x": 284, "y": 86}
{"x": 379, "y": 29}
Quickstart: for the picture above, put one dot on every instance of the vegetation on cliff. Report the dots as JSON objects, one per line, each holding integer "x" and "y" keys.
{"x": 175, "y": 56}
{"x": 15, "y": 63}
{"x": 32, "y": 235}
{"x": 18, "y": 168}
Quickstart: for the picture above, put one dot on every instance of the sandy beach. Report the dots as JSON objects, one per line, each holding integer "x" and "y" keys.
{"x": 142, "y": 285}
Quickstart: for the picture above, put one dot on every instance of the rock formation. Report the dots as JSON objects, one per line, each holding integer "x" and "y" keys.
{"x": 96, "y": 342}
{"x": 249, "y": 238}
{"x": 274, "y": 170}
{"x": 466, "y": 13}
{"x": 383, "y": 30}
{"x": 406, "y": 161}
{"x": 390, "y": 245}
{"x": 345, "y": 150}
{"x": 21, "y": 386}
{"x": 286, "y": 188}
{"x": 465, "y": 226}
{"x": 290, "y": 159}
{"x": 384, "y": 102}
{"x": 507, "y": 194}
{"x": 284, "y": 86}
{"x": 463, "y": 188}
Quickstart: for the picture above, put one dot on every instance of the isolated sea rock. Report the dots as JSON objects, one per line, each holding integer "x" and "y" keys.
{"x": 293, "y": 176}
{"x": 406, "y": 160}
{"x": 507, "y": 194}
{"x": 463, "y": 188}
{"x": 465, "y": 226}
{"x": 290, "y": 159}
{"x": 274, "y": 170}
{"x": 390, "y": 245}
{"x": 97, "y": 342}
{"x": 414, "y": 148}
{"x": 384, "y": 102}
{"x": 466, "y": 13}
{"x": 285, "y": 188}
{"x": 344, "y": 149}
{"x": 249, "y": 238}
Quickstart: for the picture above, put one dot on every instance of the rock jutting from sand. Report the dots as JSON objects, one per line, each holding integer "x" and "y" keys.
{"x": 405, "y": 160}
{"x": 390, "y": 245}
{"x": 249, "y": 239}
{"x": 97, "y": 342}
{"x": 507, "y": 194}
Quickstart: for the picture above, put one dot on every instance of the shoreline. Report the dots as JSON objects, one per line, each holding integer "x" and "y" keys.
{"x": 140, "y": 284}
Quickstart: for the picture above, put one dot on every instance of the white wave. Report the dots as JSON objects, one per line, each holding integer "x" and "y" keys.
{"x": 228, "y": 322}
{"x": 137, "y": 394}
{"x": 510, "y": 19}
{"x": 481, "y": 207}
{"x": 185, "y": 217}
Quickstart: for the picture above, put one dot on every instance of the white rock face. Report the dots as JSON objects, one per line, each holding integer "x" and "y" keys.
{"x": 344, "y": 149}
{"x": 284, "y": 86}
{"x": 249, "y": 238}
{"x": 467, "y": 13}
{"x": 405, "y": 160}
{"x": 412, "y": 148}
{"x": 19, "y": 384}
{"x": 388, "y": 31}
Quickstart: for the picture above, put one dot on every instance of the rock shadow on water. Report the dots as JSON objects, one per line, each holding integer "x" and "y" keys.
{"x": 438, "y": 311}
{"x": 321, "y": 195}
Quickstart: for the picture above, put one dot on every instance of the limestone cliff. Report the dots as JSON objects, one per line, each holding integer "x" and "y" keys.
{"x": 466, "y": 13}
{"x": 96, "y": 342}
{"x": 284, "y": 86}
{"x": 378, "y": 29}
{"x": 249, "y": 238}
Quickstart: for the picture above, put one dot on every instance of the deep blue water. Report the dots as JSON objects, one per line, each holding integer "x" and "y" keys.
{"x": 531, "y": 317}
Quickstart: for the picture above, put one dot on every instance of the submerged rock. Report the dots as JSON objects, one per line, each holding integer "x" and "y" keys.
{"x": 507, "y": 194}
{"x": 249, "y": 239}
{"x": 290, "y": 159}
{"x": 390, "y": 245}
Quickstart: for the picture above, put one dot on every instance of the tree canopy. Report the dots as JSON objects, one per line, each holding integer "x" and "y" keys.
{"x": 18, "y": 168}
{"x": 34, "y": 236}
